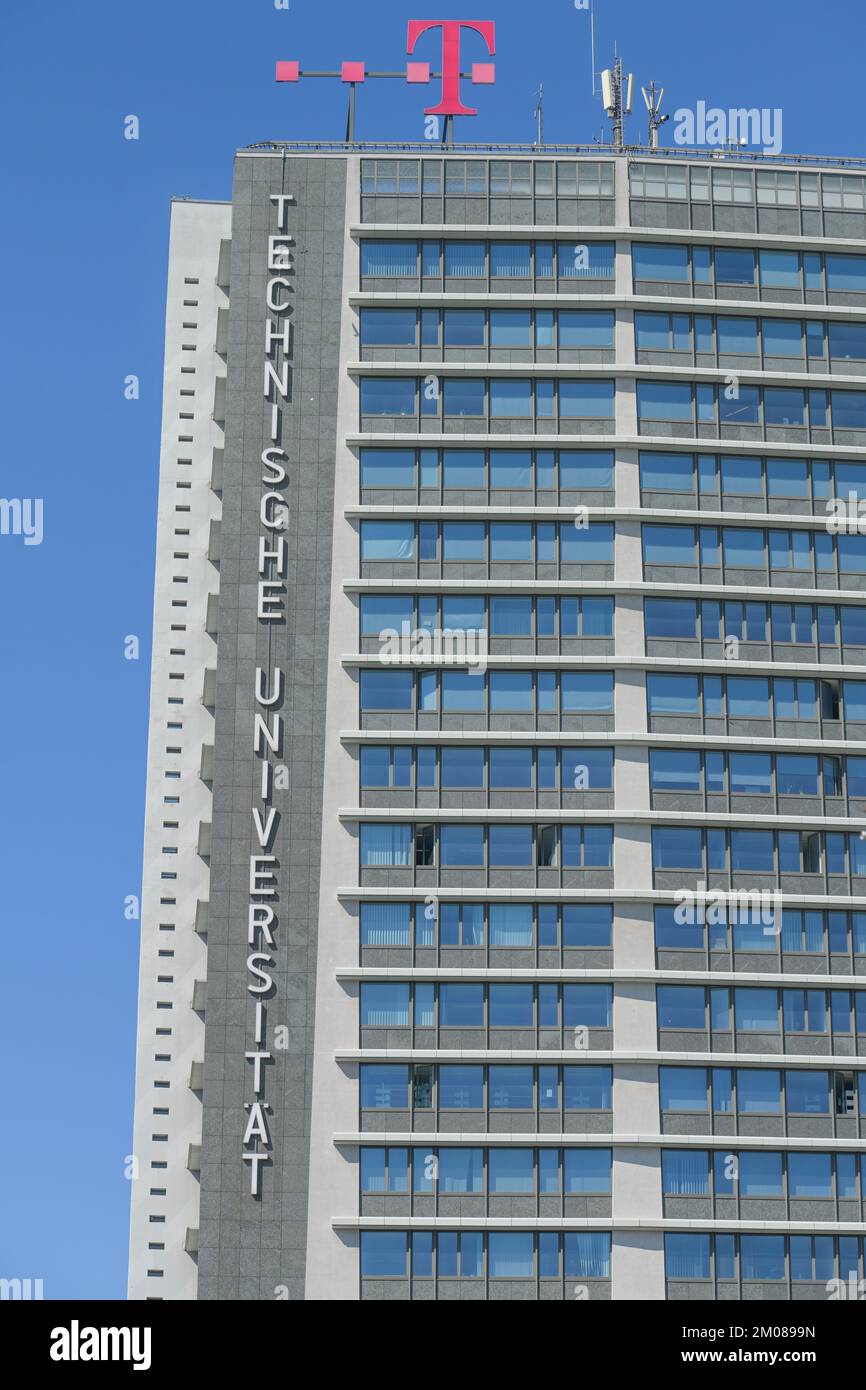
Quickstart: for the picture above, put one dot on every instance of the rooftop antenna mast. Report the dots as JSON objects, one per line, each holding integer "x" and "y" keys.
{"x": 539, "y": 115}
{"x": 616, "y": 91}
{"x": 653, "y": 100}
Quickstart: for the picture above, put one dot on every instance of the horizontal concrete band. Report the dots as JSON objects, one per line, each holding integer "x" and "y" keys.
{"x": 590, "y": 1223}
{"x": 613, "y": 814}
{"x": 689, "y": 444}
{"x": 563, "y": 232}
{"x": 612, "y": 661}
{"x": 691, "y": 589}
{"x": 593, "y": 895}
{"x": 775, "y": 1060}
{"x": 668, "y": 515}
{"x": 609, "y": 738}
{"x": 613, "y": 975}
{"x": 517, "y": 1139}
{"x": 607, "y": 369}
{"x": 548, "y": 298}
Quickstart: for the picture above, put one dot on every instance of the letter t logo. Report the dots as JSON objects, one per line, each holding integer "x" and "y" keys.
{"x": 451, "y": 105}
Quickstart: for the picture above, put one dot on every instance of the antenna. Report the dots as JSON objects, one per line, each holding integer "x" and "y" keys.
{"x": 539, "y": 115}
{"x": 616, "y": 99}
{"x": 592, "y": 41}
{"x": 653, "y": 100}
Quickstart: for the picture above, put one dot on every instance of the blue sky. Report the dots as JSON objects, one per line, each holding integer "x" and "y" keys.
{"x": 85, "y": 233}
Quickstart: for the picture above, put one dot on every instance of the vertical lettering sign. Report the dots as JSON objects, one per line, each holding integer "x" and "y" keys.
{"x": 268, "y": 724}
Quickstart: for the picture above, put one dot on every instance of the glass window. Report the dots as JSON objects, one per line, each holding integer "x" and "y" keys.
{"x": 677, "y": 695}
{"x": 849, "y": 410}
{"x": 588, "y": 545}
{"x": 511, "y": 468}
{"x": 780, "y": 270}
{"x": 463, "y": 468}
{"x": 388, "y": 327}
{"x": 583, "y": 328}
{"x": 588, "y": 924}
{"x": 787, "y": 478}
{"x": 681, "y": 1006}
{"x": 672, "y": 770}
{"x": 465, "y": 259}
{"x": 384, "y": 1005}
{"x": 782, "y": 337}
{"x": 510, "y": 617}
{"x": 461, "y": 1171}
{"x": 464, "y": 327}
{"x": 463, "y": 396}
{"x": 660, "y": 400}
{"x": 586, "y": 400}
{"x": 687, "y": 1256}
{"x": 461, "y": 1088}
{"x": 385, "y": 845}
{"x": 510, "y": 924}
{"x": 389, "y": 259}
{"x": 741, "y": 407}
{"x": 668, "y": 545}
{"x": 510, "y": 398}
{"x": 383, "y": 1254}
{"x": 676, "y": 618}
{"x": 511, "y": 1088}
{"x": 810, "y": 1175}
{"x": 510, "y": 1171}
{"x": 762, "y": 1257}
{"x": 388, "y": 396}
{"x": 587, "y": 692}
{"x": 683, "y": 1089}
{"x": 510, "y": 846}
{"x": 667, "y": 472}
{"x": 847, "y": 340}
{"x": 510, "y": 1254}
{"x": 759, "y": 1092}
{"x": 510, "y": 691}
{"x": 587, "y": 1088}
{"x": 585, "y": 260}
{"x": 461, "y": 767}
{"x": 734, "y": 266}
{"x": 384, "y": 1087}
{"x": 686, "y": 1173}
{"x": 845, "y": 273}
{"x": 462, "y": 692}
{"x": 461, "y": 846}
{"x": 658, "y": 261}
{"x": 387, "y": 468}
{"x": 510, "y": 328}
{"x": 738, "y": 335}
{"x": 783, "y": 406}
{"x": 807, "y": 1093}
{"x": 510, "y": 259}
{"x": 742, "y": 476}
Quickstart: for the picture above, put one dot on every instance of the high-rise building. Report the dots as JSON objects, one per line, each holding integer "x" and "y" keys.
{"x": 504, "y": 911}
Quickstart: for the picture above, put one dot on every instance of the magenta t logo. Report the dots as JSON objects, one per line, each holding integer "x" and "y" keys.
{"x": 451, "y": 104}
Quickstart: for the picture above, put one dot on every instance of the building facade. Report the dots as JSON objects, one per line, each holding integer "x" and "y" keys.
{"x": 504, "y": 907}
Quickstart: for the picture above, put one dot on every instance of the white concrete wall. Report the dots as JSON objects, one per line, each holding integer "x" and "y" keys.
{"x": 173, "y": 955}
{"x": 333, "y": 1260}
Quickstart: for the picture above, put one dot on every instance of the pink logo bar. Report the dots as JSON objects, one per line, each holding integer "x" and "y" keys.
{"x": 417, "y": 73}
{"x": 451, "y": 103}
